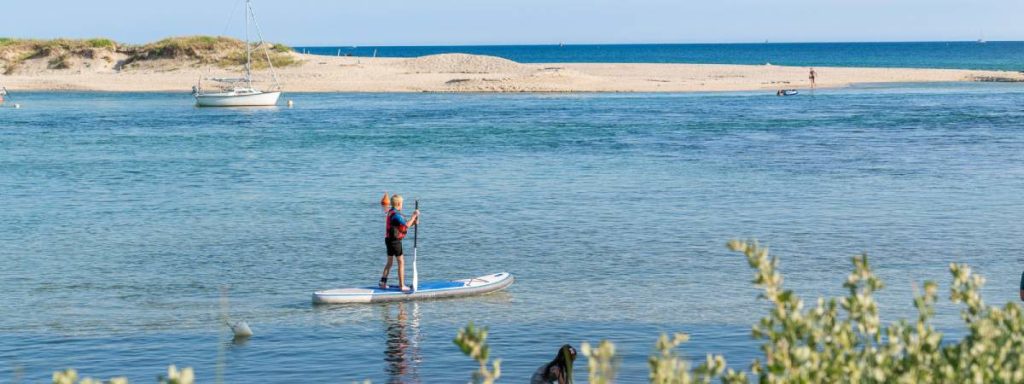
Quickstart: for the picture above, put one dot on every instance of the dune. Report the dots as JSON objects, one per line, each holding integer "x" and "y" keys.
{"x": 174, "y": 65}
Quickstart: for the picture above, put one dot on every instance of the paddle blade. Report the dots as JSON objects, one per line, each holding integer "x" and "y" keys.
{"x": 415, "y": 273}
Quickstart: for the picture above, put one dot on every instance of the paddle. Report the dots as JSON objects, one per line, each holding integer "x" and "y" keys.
{"x": 415, "y": 240}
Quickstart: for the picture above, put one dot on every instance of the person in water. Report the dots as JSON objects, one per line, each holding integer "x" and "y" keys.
{"x": 558, "y": 370}
{"x": 1022, "y": 287}
{"x": 395, "y": 228}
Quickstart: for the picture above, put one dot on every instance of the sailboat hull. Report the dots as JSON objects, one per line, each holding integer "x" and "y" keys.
{"x": 232, "y": 99}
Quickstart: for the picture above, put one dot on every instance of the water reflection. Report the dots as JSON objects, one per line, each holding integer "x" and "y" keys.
{"x": 402, "y": 342}
{"x": 239, "y": 341}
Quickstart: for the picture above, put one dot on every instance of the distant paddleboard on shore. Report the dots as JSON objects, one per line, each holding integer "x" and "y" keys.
{"x": 427, "y": 290}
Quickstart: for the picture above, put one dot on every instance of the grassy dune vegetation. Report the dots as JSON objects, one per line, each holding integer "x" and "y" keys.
{"x": 222, "y": 51}
{"x": 57, "y": 52}
{"x": 61, "y": 54}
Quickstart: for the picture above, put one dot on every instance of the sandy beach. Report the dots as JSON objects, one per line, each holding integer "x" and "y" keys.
{"x": 474, "y": 73}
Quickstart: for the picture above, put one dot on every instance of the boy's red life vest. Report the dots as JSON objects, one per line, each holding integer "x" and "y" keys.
{"x": 397, "y": 230}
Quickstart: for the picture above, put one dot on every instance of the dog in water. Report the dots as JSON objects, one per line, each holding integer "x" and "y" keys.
{"x": 558, "y": 370}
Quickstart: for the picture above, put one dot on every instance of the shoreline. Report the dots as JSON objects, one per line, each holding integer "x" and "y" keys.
{"x": 887, "y": 85}
{"x": 463, "y": 73}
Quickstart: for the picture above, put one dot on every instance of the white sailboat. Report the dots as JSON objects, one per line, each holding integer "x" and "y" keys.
{"x": 5, "y": 95}
{"x": 240, "y": 92}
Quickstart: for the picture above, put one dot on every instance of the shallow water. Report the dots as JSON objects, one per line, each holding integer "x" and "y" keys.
{"x": 126, "y": 215}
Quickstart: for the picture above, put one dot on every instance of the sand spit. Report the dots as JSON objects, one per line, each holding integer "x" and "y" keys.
{"x": 470, "y": 73}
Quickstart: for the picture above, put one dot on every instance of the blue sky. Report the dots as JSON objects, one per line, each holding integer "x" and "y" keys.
{"x": 456, "y": 22}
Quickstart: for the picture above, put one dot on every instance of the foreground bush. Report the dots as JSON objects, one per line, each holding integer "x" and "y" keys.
{"x": 473, "y": 343}
{"x": 174, "y": 376}
{"x": 842, "y": 340}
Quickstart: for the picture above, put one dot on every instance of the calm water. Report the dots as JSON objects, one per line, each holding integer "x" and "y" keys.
{"x": 126, "y": 215}
{"x": 1002, "y": 55}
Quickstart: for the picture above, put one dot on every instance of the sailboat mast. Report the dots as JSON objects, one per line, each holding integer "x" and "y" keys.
{"x": 266, "y": 50}
{"x": 248, "y": 48}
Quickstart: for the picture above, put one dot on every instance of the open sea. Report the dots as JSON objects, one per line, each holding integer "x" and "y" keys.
{"x": 133, "y": 225}
{"x": 993, "y": 55}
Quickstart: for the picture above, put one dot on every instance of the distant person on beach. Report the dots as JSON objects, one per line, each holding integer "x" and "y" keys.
{"x": 395, "y": 228}
{"x": 558, "y": 370}
{"x": 813, "y": 76}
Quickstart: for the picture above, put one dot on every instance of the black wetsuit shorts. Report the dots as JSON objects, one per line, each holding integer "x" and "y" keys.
{"x": 394, "y": 246}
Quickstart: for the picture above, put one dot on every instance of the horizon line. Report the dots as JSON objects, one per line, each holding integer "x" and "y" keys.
{"x": 650, "y": 43}
{"x": 555, "y": 43}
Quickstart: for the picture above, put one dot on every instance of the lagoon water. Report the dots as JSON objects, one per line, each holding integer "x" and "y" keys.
{"x": 126, "y": 218}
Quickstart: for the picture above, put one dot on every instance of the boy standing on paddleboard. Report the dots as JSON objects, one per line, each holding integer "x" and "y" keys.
{"x": 395, "y": 227}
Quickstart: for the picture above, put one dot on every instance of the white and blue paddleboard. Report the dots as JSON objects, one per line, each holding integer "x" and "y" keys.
{"x": 426, "y": 290}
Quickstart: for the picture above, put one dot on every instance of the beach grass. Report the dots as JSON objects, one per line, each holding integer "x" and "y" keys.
{"x": 281, "y": 48}
{"x": 216, "y": 50}
{"x": 8, "y": 44}
{"x": 259, "y": 60}
{"x": 62, "y": 53}
{"x": 101, "y": 43}
{"x": 206, "y": 49}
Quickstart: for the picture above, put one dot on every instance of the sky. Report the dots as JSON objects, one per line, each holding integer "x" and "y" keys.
{"x": 468, "y": 22}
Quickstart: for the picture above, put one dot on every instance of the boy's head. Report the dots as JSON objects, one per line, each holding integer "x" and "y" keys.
{"x": 396, "y": 202}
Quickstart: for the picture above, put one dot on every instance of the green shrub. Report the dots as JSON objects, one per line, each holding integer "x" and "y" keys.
{"x": 101, "y": 43}
{"x": 281, "y": 48}
{"x": 602, "y": 362}
{"x": 842, "y": 340}
{"x": 174, "y": 376}
{"x": 473, "y": 343}
{"x": 205, "y": 39}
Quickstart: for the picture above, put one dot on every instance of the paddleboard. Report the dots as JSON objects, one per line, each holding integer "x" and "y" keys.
{"x": 427, "y": 290}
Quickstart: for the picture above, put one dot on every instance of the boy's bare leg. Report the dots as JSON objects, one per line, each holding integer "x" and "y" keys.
{"x": 387, "y": 269}
{"x": 401, "y": 271}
